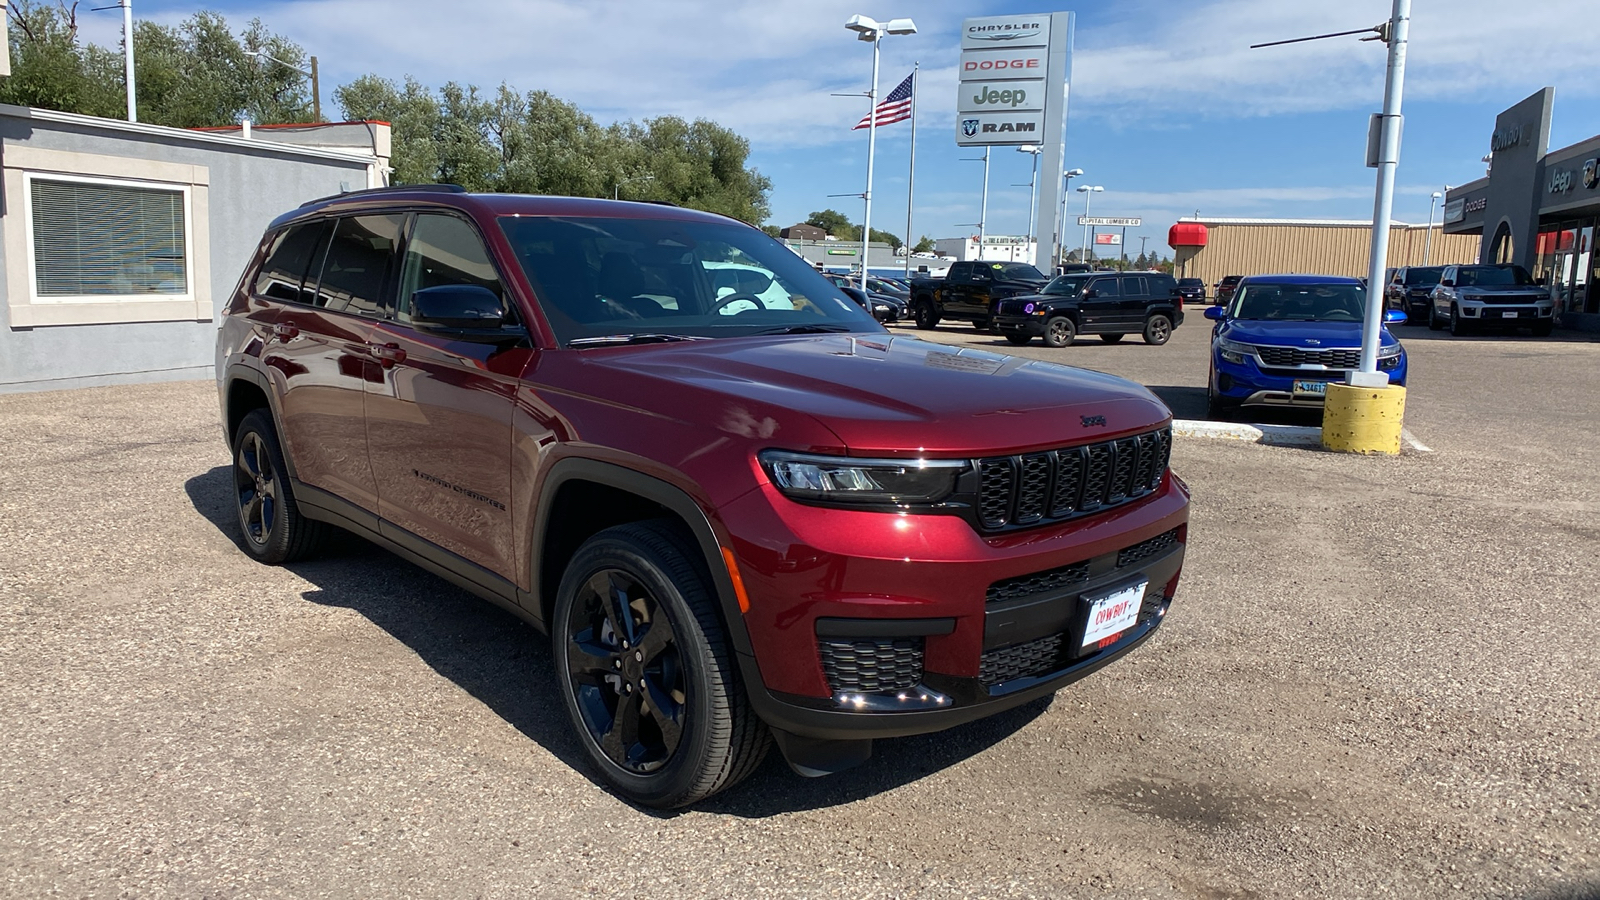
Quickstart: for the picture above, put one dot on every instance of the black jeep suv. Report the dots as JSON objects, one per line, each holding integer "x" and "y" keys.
{"x": 1109, "y": 304}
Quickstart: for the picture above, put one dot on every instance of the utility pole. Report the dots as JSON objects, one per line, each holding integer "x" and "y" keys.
{"x": 316, "y": 92}
{"x": 127, "y": 53}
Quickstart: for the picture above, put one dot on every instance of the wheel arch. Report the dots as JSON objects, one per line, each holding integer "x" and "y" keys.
{"x": 582, "y": 497}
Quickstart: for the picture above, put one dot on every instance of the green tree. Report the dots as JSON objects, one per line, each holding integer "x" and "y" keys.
{"x": 772, "y": 230}
{"x": 413, "y": 114}
{"x": 51, "y": 70}
{"x": 924, "y": 245}
{"x": 835, "y": 223}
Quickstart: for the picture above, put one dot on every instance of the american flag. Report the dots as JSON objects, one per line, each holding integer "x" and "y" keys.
{"x": 896, "y": 107}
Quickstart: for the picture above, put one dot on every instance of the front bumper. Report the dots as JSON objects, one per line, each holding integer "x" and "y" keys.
{"x": 868, "y": 625}
{"x": 1032, "y": 326}
{"x": 1507, "y": 313}
{"x": 1251, "y": 384}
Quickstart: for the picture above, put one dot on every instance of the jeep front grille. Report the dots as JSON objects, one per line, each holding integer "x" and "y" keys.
{"x": 1032, "y": 488}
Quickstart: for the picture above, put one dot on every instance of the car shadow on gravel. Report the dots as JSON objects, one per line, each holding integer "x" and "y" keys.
{"x": 506, "y": 665}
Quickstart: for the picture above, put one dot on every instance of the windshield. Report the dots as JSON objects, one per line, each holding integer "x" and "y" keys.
{"x": 1067, "y": 285}
{"x": 1428, "y": 275}
{"x": 1492, "y": 275}
{"x": 1017, "y": 272}
{"x": 597, "y": 277}
{"x": 1190, "y": 282}
{"x": 1299, "y": 302}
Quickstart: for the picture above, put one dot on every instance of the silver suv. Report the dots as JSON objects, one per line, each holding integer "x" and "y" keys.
{"x": 1504, "y": 296}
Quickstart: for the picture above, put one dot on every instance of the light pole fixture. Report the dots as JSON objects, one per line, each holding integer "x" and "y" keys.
{"x": 316, "y": 87}
{"x": 616, "y": 189}
{"x": 1427, "y": 240}
{"x": 1033, "y": 188}
{"x": 1066, "y": 188}
{"x": 1088, "y": 191}
{"x": 871, "y": 30}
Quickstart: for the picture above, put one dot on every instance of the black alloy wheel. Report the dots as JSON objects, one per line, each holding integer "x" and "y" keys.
{"x": 1111, "y": 338}
{"x": 1060, "y": 332}
{"x": 269, "y": 519}
{"x": 647, "y": 672}
{"x": 1157, "y": 330}
{"x": 927, "y": 319}
{"x": 624, "y": 665}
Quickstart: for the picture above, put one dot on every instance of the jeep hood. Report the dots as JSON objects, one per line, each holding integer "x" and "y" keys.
{"x": 887, "y": 394}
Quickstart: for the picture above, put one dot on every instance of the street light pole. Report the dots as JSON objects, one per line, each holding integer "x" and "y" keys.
{"x": 1427, "y": 240}
{"x": 1383, "y": 205}
{"x": 1087, "y": 191}
{"x": 127, "y": 50}
{"x": 1066, "y": 188}
{"x": 868, "y": 29}
{"x": 1033, "y": 190}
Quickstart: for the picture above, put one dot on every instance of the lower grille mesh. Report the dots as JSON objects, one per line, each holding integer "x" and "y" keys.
{"x": 871, "y": 665}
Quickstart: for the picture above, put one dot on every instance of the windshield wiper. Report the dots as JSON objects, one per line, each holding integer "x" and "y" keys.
{"x": 619, "y": 340}
{"x": 804, "y": 329}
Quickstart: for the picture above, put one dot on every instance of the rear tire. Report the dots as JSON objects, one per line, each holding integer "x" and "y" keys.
{"x": 927, "y": 318}
{"x": 1060, "y": 332}
{"x": 1157, "y": 330}
{"x": 646, "y": 670}
{"x": 271, "y": 527}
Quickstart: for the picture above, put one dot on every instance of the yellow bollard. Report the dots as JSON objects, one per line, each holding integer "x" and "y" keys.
{"x": 1363, "y": 419}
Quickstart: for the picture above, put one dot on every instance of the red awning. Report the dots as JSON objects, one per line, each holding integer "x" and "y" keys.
{"x": 1186, "y": 234}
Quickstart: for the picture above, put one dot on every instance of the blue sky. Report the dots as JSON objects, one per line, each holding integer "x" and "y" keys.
{"x": 1171, "y": 112}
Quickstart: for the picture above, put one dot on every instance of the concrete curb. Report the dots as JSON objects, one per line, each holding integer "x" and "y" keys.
{"x": 1275, "y": 435}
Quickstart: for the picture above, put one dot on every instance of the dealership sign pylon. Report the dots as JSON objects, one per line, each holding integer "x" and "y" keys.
{"x": 1015, "y": 74}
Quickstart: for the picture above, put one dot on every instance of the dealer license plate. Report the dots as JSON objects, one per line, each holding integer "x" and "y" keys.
{"x": 1311, "y": 387}
{"x": 1113, "y": 613}
{"x": 1508, "y": 315}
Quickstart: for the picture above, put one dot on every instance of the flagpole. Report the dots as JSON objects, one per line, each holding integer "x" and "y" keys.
{"x": 911, "y": 177}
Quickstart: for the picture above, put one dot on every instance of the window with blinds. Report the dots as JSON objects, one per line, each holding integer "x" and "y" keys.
{"x": 92, "y": 239}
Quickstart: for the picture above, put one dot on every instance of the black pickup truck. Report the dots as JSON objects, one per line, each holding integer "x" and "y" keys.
{"x": 972, "y": 291}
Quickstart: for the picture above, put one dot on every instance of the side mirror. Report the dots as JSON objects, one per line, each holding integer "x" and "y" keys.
{"x": 1447, "y": 282}
{"x": 1215, "y": 312}
{"x": 1394, "y": 317}
{"x": 462, "y": 312}
{"x": 1090, "y": 292}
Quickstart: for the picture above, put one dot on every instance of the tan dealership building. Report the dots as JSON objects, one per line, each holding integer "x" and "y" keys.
{"x": 1209, "y": 248}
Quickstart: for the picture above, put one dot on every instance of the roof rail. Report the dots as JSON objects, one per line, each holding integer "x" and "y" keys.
{"x": 393, "y": 188}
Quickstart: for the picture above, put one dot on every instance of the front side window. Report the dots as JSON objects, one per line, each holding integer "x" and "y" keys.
{"x": 601, "y": 278}
{"x": 1018, "y": 272}
{"x": 1065, "y": 285}
{"x": 104, "y": 239}
{"x": 356, "y": 264}
{"x": 443, "y": 250}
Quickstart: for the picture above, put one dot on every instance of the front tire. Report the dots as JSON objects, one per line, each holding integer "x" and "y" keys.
{"x": 1060, "y": 332}
{"x": 647, "y": 672}
{"x": 1458, "y": 326}
{"x": 272, "y": 528}
{"x": 1157, "y": 330}
{"x": 1434, "y": 322}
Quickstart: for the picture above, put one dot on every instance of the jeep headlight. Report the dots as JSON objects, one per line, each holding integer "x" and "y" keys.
{"x": 839, "y": 479}
{"x": 1233, "y": 351}
{"x": 1389, "y": 352}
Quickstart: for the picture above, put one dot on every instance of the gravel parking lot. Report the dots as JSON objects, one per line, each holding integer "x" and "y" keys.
{"x": 1380, "y": 678}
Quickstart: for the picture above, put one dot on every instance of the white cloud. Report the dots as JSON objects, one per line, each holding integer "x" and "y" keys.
{"x": 1194, "y": 60}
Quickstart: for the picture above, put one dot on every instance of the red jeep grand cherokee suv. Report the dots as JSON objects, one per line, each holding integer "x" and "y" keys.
{"x": 663, "y": 439}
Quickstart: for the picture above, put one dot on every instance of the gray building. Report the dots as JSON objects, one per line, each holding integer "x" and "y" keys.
{"x": 119, "y": 242}
{"x": 1538, "y": 208}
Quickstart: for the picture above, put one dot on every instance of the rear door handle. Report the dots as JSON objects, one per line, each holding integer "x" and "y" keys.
{"x": 388, "y": 353}
{"x": 286, "y": 331}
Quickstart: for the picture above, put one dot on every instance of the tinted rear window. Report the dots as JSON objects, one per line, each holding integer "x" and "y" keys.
{"x": 283, "y": 274}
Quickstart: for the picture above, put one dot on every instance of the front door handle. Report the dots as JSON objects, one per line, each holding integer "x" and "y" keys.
{"x": 389, "y": 354}
{"x": 285, "y": 331}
